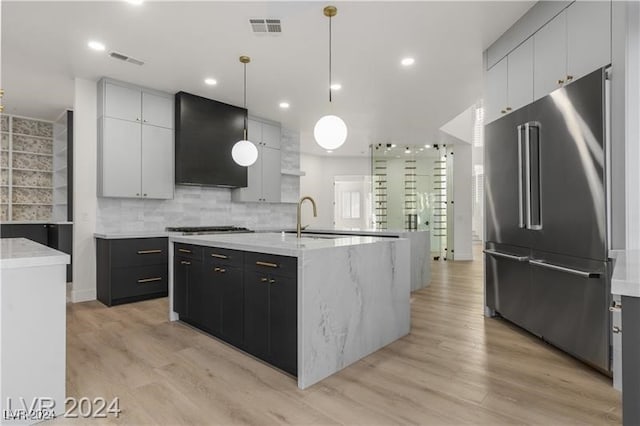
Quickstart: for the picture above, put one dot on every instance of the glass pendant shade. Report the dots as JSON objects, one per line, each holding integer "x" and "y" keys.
{"x": 330, "y": 132}
{"x": 244, "y": 153}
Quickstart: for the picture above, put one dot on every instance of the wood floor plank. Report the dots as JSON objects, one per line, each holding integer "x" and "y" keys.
{"x": 455, "y": 367}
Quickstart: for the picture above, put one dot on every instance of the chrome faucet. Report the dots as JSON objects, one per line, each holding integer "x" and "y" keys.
{"x": 315, "y": 213}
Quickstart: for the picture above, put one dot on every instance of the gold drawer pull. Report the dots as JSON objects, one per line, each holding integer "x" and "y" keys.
{"x": 149, "y": 280}
{"x": 264, "y": 280}
{"x": 272, "y": 281}
{"x": 219, "y": 256}
{"x": 184, "y": 262}
{"x": 269, "y": 264}
{"x": 184, "y": 251}
{"x": 149, "y": 251}
{"x": 222, "y": 270}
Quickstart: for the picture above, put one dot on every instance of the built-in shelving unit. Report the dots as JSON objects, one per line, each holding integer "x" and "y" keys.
{"x": 60, "y": 175}
{"x": 380, "y": 186}
{"x": 26, "y": 169}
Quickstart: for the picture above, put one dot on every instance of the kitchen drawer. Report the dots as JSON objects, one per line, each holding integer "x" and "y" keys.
{"x": 223, "y": 256}
{"x": 139, "y": 252}
{"x": 188, "y": 251}
{"x": 139, "y": 281}
{"x": 272, "y": 264}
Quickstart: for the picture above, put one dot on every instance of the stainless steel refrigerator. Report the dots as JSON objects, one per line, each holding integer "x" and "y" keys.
{"x": 546, "y": 264}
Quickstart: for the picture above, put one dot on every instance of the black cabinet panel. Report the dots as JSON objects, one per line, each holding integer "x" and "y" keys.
{"x": 37, "y": 232}
{"x": 283, "y": 321}
{"x": 138, "y": 281}
{"x": 131, "y": 269}
{"x": 182, "y": 272}
{"x": 232, "y": 306}
{"x": 272, "y": 264}
{"x": 256, "y": 314}
{"x": 139, "y": 252}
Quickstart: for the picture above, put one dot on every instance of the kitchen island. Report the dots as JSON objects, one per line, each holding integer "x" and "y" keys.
{"x": 32, "y": 331}
{"x": 310, "y": 306}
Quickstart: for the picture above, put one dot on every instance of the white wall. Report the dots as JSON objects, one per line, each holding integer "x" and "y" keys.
{"x": 632, "y": 120}
{"x": 318, "y": 183}
{"x": 462, "y": 202}
{"x": 85, "y": 135}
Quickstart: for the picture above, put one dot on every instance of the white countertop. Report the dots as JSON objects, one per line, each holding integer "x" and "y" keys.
{"x": 36, "y": 222}
{"x": 626, "y": 272}
{"x": 274, "y": 243}
{"x": 363, "y": 231}
{"x": 132, "y": 234}
{"x": 21, "y": 253}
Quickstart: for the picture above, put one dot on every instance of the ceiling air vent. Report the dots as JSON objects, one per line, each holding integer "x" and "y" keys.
{"x": 122, "y": 57}
{"x": 265, "y": 26}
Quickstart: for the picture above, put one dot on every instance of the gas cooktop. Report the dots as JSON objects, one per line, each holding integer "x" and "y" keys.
{"x": 185, "y": 230}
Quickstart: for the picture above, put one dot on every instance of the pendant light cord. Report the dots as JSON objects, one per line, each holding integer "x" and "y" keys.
{"x": 330, "y": 82}
{"x": 245, "y": 100}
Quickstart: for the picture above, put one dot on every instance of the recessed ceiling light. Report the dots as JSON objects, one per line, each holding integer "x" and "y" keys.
{"x": 284, "y": 105}
{"x": 329, "y": 151}
{"x": 407, "y": 151}
{"x": 408, "y": 62}
{"x": 427, "y": 146}
{"x": 135, "y": 2}
{"x": 210, "y": 81}
{"x": 336, "y": 86}
{"x": 393, "y": 145}
{"x": 96, "y": 45}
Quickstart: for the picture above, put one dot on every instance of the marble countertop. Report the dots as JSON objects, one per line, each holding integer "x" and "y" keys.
{"x": 22, "y": 253}
{"x": 133, "y": 234}
{"x": 274, "y": 243}
{"x": 626, "y": 272}
{"x": 36, "y": 222}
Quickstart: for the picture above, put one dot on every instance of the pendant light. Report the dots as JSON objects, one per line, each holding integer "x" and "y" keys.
{"x": 330, "y": 131}
{"x": 244, "y": 152}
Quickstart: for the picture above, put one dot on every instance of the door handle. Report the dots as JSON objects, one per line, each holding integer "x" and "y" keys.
{"x": 520, "y": 183}
{"x": 184, "y": 250}
{"x": 184, "y": 262}
{"x": 269, "y": 264}
{"x": 219, "y": 256}
{"x": 505, "y": 255}
{"x": 578, "y": 272}
{"x": 527, "y": 173}
{"x": 149, "y": 280}
{"x": 149, "y": 251}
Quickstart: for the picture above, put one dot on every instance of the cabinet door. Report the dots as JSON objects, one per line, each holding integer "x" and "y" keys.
{"x": 254, "y": 131}
{"x": 122, "y": 102}
{"x": 271, "y": 135}
{"x": 182, "y": 271}
{"x": 157, "y": 110}
{"x": 496, "y": 95}
{"x": 121, "y": 151}
{"x": 256, "y": 313}
{"x": 283, "y": 320}
{"x": 588, "y": 37}
{"x": 231, "y": 292}
{"x": 253, "y": 191}
{"x": 520, "y": 76}
{"x": 204, "y": 298}
{"x": 271, "y": 175}
{"x": 157, "y": 162}
{"x": 550, "y": 56}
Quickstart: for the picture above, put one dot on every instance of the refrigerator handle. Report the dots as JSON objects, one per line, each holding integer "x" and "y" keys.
{"x": 527, "y": 172}
{"x": 520, "y": 183}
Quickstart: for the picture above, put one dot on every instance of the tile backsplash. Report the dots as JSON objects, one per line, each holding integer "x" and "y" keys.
{"x": 194, "y": 205}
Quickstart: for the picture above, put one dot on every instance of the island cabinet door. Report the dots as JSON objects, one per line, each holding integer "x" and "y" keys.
{"x": 283, "y": 323}
{"x": 256, "y": 313}
{"x": 231, "y": 304}
{"x": 187, "y": 274}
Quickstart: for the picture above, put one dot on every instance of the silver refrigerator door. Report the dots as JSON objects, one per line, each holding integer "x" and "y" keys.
{"x": 567, "y": 170}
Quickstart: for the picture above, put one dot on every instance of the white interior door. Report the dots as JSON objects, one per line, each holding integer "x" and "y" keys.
{"x": 352, "y": 201}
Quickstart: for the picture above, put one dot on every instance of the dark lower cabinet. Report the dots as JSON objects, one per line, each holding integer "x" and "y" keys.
{"x": 246, "y": 299}
{"x": 131, "y": 269}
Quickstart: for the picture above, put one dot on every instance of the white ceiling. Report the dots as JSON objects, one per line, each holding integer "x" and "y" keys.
{"x": 44, "y": 46}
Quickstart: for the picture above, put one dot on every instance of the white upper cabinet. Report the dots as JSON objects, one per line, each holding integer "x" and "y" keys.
{"x": 550, "y": 56}
{"x": 588, "y": 37}
{"x": 573, "y": 44}
{"x": 157, "y": 110}
{"x": 123, "y": 102}
{"x": 520, "y": 76}
{"x": 510, "y": 82}
{"x": 136, "y": 143}
{"x": 264, "y": 176}
{"x": 496, "y": 91}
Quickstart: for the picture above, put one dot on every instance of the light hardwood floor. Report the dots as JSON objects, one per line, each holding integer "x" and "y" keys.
{"x": 455, "y": 367}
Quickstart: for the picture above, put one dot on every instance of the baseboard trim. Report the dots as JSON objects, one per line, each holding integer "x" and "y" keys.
{"x": 83, "y": 295}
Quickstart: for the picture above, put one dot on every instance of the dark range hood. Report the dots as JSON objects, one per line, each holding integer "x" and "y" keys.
{"x": 206, "y": 130}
